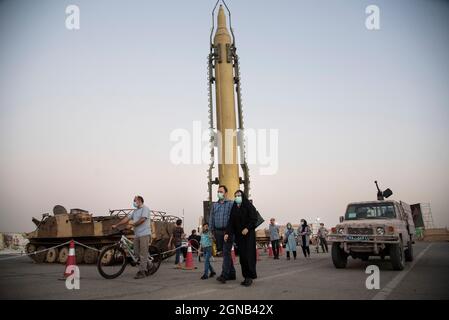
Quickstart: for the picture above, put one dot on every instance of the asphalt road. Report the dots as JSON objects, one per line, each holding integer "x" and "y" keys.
{"x": 315, "y": 278}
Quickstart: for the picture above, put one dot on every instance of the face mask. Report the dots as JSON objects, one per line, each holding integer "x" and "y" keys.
{"x": 303, "y": 223}
{"x": 238, "y": 199}
{"x": 135, "y": 204}
{"x": 220, "y": 195}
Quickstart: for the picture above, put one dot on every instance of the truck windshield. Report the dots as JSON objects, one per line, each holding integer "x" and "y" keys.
{"x": 370, "y": 211}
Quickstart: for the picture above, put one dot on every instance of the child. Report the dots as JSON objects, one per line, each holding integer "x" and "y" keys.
{"x": 206, "y": 247}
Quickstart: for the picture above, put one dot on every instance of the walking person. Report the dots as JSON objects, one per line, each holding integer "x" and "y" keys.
{"x": 176, "y": 239}
{"x": 290, "y": 241}
{"x": 322, "y": 234}
{"x": 274, "y": 238}
{"x": 242, "y": 225}
{"x": 142, "y": 234}
{"x": 206, "y": 247}
{"x": 218, "y": 221}
{"x": 304, "y": 238}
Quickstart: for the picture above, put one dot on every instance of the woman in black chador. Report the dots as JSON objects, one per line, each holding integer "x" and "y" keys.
{"x": 242, "y": 225}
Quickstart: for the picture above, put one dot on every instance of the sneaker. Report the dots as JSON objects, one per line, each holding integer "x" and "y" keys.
{"x": 139, "y": 275}
{"x": 204, "y": 277}
{"x": 212, "y": 274}
{"x": 221, "y": 279}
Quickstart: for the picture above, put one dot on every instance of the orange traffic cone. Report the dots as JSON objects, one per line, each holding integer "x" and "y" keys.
{"x": 71, "y": 260}
{"x": 233, "y": 255}
{"x": 189, "y": 259}
{"x": 270, "y": 250}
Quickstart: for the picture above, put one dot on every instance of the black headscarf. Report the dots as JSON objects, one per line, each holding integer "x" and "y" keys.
{"x": 245, "y": 202}
{"x": 303, "y": 226}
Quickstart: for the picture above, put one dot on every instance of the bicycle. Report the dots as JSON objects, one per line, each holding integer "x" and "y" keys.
{"x": 113, "y": 259}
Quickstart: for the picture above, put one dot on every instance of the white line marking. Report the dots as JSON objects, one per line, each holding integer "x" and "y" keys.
{"x": 385, "y": 292}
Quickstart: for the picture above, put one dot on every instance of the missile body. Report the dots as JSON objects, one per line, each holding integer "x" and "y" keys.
{"x": 228, "y": 168}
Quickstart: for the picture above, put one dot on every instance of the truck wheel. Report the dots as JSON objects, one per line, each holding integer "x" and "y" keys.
{"x": 63, "y": 255}
{"x": 397, "y": 256}
{"x": 40, "y": 257}
{"x": 90, "y": 256}
{"x": 79, "y": 254}
{"x": 339, "y": 257}
{"x": 409, "y": 252}
{"x": 52, "y": 255}
{"x": 30, "y": 248}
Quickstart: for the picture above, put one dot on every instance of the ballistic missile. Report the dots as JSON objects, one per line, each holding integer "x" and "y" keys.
{"x": 228, "y": 170}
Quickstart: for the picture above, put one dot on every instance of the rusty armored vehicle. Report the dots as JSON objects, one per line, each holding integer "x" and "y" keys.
{"x": 93, "y": 231}
{"x": 374, "y": 228}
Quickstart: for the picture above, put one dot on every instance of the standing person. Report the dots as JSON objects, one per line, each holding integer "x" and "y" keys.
{"x": 290, "y": 241}
{"x": 304, "y": 238}
{"x": 274, "y": 238}
{"x": 142, "y": 234}
{"x": 322, "y": 234}
{"x": 206, "y": 247}
{"x": 176, "y": 237}
{"x": 242, "y": 224}
{"x": 218, "y": 220}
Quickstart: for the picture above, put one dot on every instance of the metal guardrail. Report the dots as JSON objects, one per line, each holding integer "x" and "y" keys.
{"x": 155, "y": 215}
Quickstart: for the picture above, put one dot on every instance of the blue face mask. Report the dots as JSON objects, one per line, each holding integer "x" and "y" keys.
{"x": 238, "y": 199}
{"x": 135, "y": 204}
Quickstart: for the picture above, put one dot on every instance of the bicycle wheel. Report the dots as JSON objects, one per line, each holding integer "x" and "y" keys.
{"x": 111, "y": 261}
{"x": 154, "y": 259}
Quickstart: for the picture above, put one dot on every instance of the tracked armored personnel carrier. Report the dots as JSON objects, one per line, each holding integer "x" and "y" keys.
{"x": 93, "y": 231}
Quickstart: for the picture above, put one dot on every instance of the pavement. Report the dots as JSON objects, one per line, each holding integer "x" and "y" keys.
{"x": 427, "y": 277}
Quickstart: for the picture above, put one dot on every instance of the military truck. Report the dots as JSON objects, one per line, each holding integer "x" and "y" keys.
{"x": 93, "y": 231}
{"x": 374, "y": 228}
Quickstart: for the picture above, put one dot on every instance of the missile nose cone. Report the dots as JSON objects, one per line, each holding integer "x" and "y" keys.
{"x": 222, "y": 33}
{"x": 221, "y": 18}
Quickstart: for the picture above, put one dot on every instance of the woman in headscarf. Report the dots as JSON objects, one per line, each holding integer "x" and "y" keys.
{"x": 290, "y": 241}
{"x": 242, "y": 225}
{"x": 304, "y": 237}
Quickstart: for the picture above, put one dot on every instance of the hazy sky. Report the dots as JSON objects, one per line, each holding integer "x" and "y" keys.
{"x": 85, "y": 116}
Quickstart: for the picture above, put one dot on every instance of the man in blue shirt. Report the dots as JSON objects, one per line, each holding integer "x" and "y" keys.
{"x": 218, "y": 221}
{"x": 142, "y": 234}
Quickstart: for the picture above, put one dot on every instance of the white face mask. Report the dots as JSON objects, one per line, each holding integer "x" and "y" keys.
{"x": 238, "y": 199}
{"x": 220, "y": 195}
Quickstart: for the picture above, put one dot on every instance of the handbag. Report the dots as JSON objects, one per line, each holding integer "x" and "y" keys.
{"x": 214, "y": 249}
{"x": 260, "y": 220}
